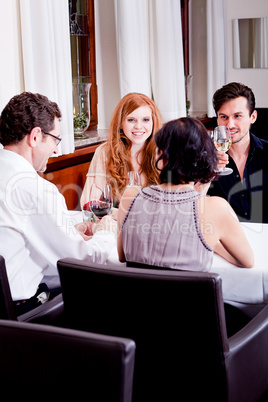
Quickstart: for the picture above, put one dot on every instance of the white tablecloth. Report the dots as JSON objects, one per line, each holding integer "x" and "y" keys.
{"x": 247, "y": 286}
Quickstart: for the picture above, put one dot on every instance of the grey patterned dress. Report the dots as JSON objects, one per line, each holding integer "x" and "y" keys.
{"x": 162, "y": 228}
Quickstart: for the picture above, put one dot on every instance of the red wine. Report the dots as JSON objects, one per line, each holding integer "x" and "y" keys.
{"x": 100, "y": 208}
{"x": 86, "y": 207}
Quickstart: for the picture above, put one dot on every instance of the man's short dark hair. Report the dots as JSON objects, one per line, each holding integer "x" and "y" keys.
{"x": 24, "y": 112}
{"x": 232, "y": 91}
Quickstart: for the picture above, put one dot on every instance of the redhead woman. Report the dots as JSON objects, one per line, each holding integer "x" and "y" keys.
{"x": 129, "y": 147}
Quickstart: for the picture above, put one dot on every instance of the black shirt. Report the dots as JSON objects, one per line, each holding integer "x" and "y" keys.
{"x": 249, "y": 198}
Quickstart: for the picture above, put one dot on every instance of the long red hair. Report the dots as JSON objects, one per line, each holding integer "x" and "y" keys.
{"x": 119, "y": 146}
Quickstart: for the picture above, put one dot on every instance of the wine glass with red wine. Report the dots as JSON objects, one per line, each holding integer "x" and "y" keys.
{"x": 100, "y": 200}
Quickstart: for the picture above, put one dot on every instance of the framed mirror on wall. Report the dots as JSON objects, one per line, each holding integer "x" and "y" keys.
{"x": 250, "y": 43}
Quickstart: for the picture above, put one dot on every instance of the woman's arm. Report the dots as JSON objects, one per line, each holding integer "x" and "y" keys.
{"x": 221, "y": 251}
{"x": 126, "y": 199}
{"x": 96, "y": 173}
{"x": 233, "y": 244}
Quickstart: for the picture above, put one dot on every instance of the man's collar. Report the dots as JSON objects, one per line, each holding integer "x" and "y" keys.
{"x": 255, "y": 142}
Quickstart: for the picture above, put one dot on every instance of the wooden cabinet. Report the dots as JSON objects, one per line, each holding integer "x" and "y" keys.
{"x": 209, "y": 122}
{"x": 68, "y": 173}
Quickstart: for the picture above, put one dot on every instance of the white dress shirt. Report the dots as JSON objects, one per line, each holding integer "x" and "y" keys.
{"x": 36, "y": 228}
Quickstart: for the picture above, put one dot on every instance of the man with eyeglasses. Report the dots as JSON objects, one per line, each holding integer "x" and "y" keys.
{"x": 36, "y": 228}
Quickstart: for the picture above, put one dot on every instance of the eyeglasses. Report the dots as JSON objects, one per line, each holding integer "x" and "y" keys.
{"x": 58, "y": 139}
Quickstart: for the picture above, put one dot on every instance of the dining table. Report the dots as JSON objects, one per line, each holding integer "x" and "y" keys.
{"x": 245, "y": 288}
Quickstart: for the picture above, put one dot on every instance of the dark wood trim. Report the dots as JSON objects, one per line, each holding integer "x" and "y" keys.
{"x": 185, "y": 33}
{"x": 92, "y": 56}
{"x": 209, "y": 122}
{"x": 77, "y": 157}
{"x": 83, "y": 52}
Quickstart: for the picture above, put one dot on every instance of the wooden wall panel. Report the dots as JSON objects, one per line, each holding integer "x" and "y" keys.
{"x": 68, "y": 173}
{"x": 70, "y": 182}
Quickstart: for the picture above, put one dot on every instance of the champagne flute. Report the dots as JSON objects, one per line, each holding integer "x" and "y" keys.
{"x": 133, "y": 178}
{"x": 222, "y": 141}
{"x": 100, "y": 199}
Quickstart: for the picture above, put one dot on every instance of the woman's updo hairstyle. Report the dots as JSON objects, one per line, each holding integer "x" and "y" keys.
{"x": 187, "y": 151}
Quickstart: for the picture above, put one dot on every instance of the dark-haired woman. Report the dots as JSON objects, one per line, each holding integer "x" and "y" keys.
{"x": 173, "y": 225}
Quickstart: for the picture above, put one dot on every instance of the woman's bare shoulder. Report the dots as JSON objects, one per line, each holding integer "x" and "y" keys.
{"x": 215, "y": 200}
{"x": 130, "y": 192}
{"x": 128, "y": 195}
{"x": 218, "y": 206}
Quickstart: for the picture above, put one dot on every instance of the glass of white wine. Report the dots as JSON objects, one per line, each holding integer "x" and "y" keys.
{"x": 222, "y": 141}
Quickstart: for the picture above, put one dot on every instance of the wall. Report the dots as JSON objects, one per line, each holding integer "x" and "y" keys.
{"x": 257, "y": 79}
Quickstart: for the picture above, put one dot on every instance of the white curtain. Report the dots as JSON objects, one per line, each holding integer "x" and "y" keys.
{"x": 150, "y": 52}
{"x": 11, "y": 81}
{"x": 132, "y": 44}
{"x": 166, "y": 50}
{"x": 216, "y": 49}
{"x": 47, "y": 57}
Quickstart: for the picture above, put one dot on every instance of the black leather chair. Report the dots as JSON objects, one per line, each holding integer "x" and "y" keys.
{"x": 45, "y": 363}
{"x": 177, "y": 321}
{"x": 50, "y": 312}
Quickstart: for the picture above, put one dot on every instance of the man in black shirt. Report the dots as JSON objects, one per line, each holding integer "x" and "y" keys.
{"x": 246, "y": 189}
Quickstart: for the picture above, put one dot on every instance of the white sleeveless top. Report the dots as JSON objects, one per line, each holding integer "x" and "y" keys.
{"x": 162, "y": 228}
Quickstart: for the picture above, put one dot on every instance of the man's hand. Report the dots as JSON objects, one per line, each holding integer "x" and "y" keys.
{"x": 106, "y": 223}
{"x": 85, "y": 229}
{"x": 223, "y": 159}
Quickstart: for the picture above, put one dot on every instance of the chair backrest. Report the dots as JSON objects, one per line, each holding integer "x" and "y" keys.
{"x": 176, "y": 319}
{"x": 50, "y": 312}
{"x": 7, "y": 311}
{"x": 40, "y": 362}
